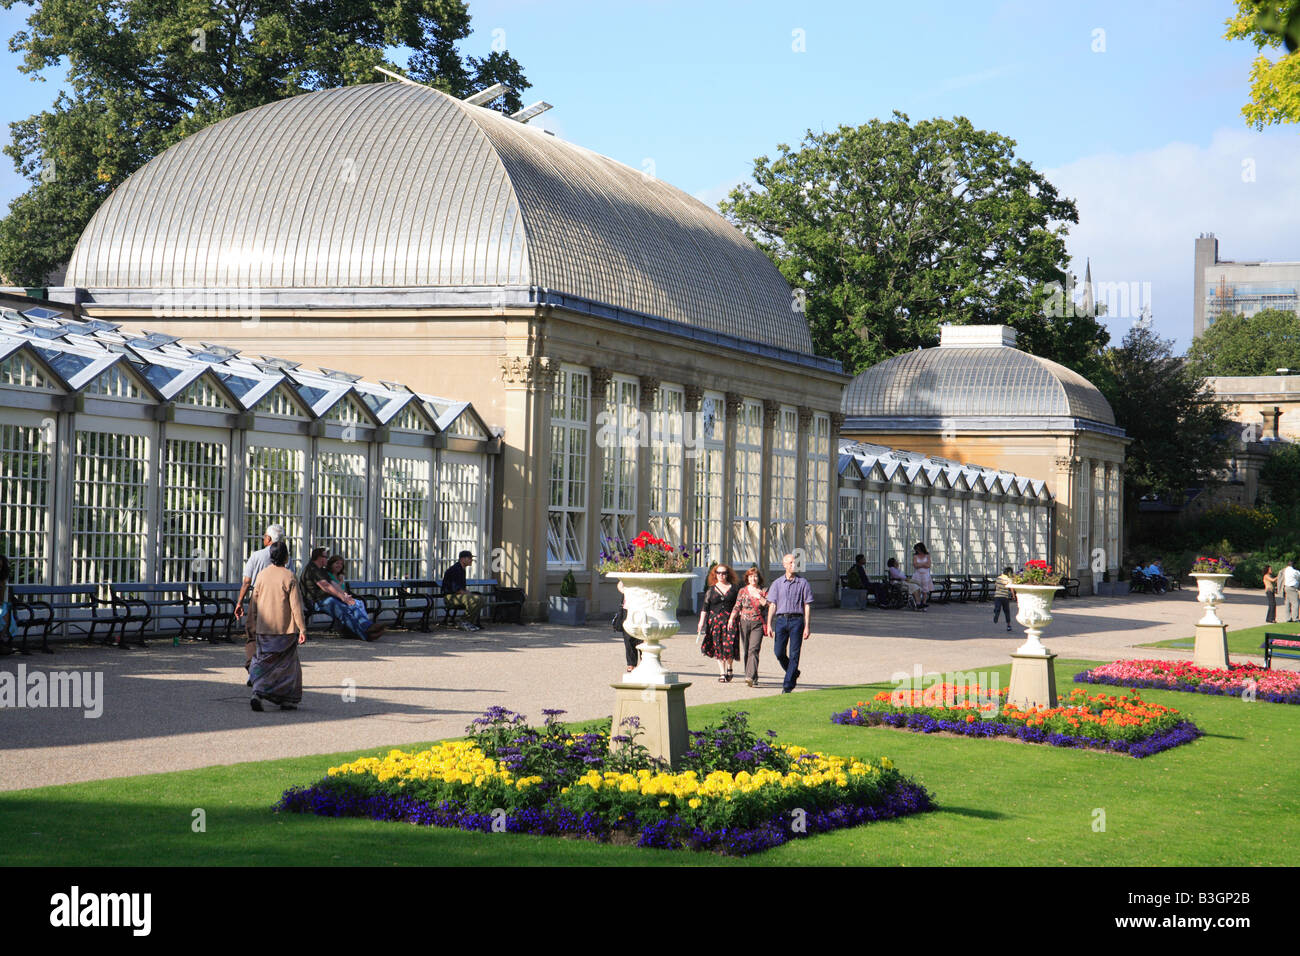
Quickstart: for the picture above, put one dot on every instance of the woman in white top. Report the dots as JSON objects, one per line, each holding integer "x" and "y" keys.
{"x": 921, "y": 573}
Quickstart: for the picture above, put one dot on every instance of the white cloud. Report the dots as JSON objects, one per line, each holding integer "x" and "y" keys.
{"x": 1139, "y": 214}
{"x": 715, "y": 194}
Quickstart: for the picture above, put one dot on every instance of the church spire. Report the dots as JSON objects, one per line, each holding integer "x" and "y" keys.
{"x": 1088, "y": 308}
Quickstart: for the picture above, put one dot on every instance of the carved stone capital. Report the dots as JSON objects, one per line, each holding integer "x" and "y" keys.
{"x": 647, "y": 392}
{"x": 694, "y": 395}
{"x": 534, "y": 371}
{"x": 735, "y": 405}
{"x": 837, "y": 423}
{"x": 1066, "y": 462}
{"x": 805, "y": 417}
{"x": 771, "y": 408}
{"x": 600, "y": 379}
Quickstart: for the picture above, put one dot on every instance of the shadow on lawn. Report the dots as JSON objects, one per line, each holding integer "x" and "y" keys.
{"x": 975, "y": 812}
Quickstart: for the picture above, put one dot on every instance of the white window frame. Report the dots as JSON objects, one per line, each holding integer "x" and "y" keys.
{"x": 710, "y": 463}
{"x": 405, "y": 522}
{"x": 785, "y": 445}
{"x": 667, "y": 437}
{"x": 618, "y": 435}
{"x": 817, "y": 500}
{"x": 747, "y": 514}
{"x": 566, "y": 530}
{"x": 192, "y": 539}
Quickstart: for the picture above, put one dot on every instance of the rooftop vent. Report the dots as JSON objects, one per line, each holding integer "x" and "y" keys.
{"x": 969, "y": 336}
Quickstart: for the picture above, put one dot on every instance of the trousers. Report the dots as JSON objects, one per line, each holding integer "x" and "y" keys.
{"x": 751, "y": 639}
{"x": 352, "y": 618}
{"x": 787, "y": 631}
{"x": 1293, "y": 604}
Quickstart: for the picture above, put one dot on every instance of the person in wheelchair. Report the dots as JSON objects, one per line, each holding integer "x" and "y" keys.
{"x": 899, "y": 580}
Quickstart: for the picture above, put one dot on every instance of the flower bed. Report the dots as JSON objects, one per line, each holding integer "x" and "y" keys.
{"x": 1123, "y": 724}
{"x": 1278, "y": 687}
{"x": 739, "y": 794}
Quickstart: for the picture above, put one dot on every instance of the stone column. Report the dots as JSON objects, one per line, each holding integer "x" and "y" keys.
{"x": 734, "y": 406}
{"x": 801, "y": 481}
{"x": 600, "y": 379}
{"x": 771, "y": 409}
{"x": 649, "y": 387}
{"x": 528, "y": 382}
{"x": 691, "y": 431}
{"x": 1065, "y": 484}
{"x": 833, "y": 501}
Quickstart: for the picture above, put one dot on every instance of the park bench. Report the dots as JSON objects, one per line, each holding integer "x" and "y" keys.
{"x": 420, "y": 599}
{"x": 958, "y": 589}
{"x": 67, "y": 607}
{"x": 978, "y": 587}
{"x": 1139, "y": 583}
{"x": 379, "y": 597}
{"x": 1069, "y": 587}
{"x": 218, "y": 603}
{"x": 507, "y": 604}
{"x": 1289, "y": 645}
{"x": 165, "y": 606}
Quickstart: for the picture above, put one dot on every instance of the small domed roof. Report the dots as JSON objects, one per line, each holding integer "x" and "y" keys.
{"x": 959, "y": 379}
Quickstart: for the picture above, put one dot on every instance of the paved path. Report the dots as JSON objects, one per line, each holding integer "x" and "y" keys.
{"x": 176, "y": 708}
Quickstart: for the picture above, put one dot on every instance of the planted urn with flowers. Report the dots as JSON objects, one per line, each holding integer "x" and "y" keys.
{"x": 1036, "y": 585}
{"x": 651, "y": 572}
{"x": 1211, "y": 647}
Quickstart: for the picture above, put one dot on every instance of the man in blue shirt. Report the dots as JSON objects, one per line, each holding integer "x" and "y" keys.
{"x": 789, "y": 616}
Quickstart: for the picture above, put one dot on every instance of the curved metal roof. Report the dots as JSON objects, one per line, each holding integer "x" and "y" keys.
{"x": 957, "y": 382}
{"x": 393, "y": 186}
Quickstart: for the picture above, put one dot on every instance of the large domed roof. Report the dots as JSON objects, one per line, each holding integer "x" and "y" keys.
{"x": 394, "y": 187}
{"x": 961, "y": 380}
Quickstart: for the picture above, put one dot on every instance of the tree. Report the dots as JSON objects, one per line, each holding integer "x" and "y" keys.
{"x": 1180, "y": 437}
{"x": 143, "y": 74}
{"x": 1248, "y": 345}
{"x": 891, "y": 229}
{"x": 1274, "y": 84}
{"x": 1281, "y": 474}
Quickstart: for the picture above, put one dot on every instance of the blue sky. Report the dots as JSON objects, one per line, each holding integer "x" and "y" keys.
{"x": 1133, "y": 110}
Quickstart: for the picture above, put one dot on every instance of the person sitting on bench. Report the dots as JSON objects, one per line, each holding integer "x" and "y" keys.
{"x": 857, "y": 579}
{"x": 456, "y": 594}
{"x": 322, "y": 593}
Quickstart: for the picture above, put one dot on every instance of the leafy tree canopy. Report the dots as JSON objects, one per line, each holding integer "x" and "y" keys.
{"x": 1256, "y": 345}
{"x": 1274, "y": 84}
{"x": 893, "y": 228}
{"x": 143, "y": 74}
{"x": 1180, "y": 437}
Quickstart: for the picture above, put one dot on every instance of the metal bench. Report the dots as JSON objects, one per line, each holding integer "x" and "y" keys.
{"x": 218, "y": 603}
{"x": 507, "y": 604}
{"x": 1289, "y": 644}
{"x": 68, "y": 607}
{"x": 1069, "y": 587}
{"x": 379, "y": 597}
{"x": 165, "y": 606}
{"x": 419, "y": 598}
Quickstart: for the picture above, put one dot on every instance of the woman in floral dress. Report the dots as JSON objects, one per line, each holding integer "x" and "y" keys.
{"x": 717, "y": 636}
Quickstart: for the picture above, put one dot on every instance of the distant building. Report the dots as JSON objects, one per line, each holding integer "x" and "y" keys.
{"x": 976, "y": 398}
{"x": 1224, "y": 287}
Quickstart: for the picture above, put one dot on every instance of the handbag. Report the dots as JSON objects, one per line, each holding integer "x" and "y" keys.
{"x": 619, "y": 618}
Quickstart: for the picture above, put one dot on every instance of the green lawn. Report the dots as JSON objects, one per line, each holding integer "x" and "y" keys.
{"x": 1249, "y": 640}
{"x": 1226, "y": 799}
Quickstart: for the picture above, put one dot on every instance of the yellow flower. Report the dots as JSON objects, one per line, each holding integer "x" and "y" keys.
{"x": 694, "y": 803}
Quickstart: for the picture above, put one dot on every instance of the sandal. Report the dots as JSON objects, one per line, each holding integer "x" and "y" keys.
{"x": 722, "y": 679}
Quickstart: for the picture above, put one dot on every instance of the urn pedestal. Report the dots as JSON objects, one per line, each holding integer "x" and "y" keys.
{"x": 1211, "y": 648}
{"x": 654, "y": 696}
{"x": 1033, "y": 677}
{"x": 660, "y": 714}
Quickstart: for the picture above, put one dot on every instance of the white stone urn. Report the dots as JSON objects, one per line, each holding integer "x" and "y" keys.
{"x": 1209, "y": 591}
{"x": 651, "y": 600}
{"x": 1035, "y": 613}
